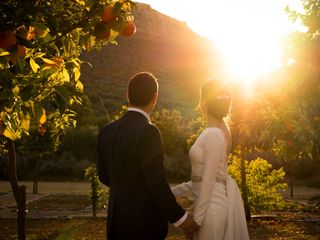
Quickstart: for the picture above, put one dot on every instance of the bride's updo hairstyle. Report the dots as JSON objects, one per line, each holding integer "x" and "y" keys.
{"x": 217, "y": 97}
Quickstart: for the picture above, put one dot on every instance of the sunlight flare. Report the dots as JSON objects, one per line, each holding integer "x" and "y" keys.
{"x": 246, "y": 33}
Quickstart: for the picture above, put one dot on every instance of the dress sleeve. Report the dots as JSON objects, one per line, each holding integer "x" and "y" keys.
{"x": 213, "y": 155}
{"x": 182, "y": 189}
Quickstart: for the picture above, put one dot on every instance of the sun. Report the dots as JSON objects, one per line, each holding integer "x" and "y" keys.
{"x": 246, "y": 33}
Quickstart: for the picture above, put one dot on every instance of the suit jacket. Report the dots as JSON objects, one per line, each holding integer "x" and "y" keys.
{"x": 131, "y": 163}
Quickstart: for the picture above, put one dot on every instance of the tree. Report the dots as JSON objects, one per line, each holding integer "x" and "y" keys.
{"x": 39, "y": 144}
{"x": 40, "y": 45}
{"x": 304, "y": 48}
{"x": 174, "y": 132}
{"x": 292, "y": 114}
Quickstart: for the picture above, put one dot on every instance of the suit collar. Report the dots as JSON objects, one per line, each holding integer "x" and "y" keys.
{"x": 137, "y": 114}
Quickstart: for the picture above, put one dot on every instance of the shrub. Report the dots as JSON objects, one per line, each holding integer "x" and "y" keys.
{"x": 64, "y": 166}
{"x": 81, "y": 142}
{"x": 174, "y": 132}
{"x": 264, "y": 183}
{"x": 97, "y": 194}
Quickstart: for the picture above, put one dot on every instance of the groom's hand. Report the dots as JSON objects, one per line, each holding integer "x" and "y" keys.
{"x": 190, "y": 227}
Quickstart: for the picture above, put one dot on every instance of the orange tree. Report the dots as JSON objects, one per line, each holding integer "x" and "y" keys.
{"x": 304, "y": 48}
{"x": 40, "y": 45}
{"x": 292, "y": 119}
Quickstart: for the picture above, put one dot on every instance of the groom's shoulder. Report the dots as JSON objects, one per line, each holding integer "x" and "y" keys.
{"x": 108, "y": 126}
{"x": 151, "y": 130}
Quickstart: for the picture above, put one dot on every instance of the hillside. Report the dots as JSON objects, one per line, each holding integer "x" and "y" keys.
{"x": 179, "y": 58}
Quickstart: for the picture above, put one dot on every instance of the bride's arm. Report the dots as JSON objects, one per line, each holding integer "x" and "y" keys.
{"x": 182, "y": 189}
{"x": 213, "y": 154}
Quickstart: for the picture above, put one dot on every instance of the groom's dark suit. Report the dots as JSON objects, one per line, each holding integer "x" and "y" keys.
{"x": 131, "y": 163}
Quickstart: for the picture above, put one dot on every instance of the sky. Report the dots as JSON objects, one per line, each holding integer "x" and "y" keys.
{"x": 247, "y": 33}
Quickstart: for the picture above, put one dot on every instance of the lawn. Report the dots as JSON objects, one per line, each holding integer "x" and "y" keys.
{"x": 88, "y": 229}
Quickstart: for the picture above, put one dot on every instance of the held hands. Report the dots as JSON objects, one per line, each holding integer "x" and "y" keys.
{"x": 190, "y": 227}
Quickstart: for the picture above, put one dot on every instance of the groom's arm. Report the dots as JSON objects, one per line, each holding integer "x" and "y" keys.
{"x": 151, "y": 162}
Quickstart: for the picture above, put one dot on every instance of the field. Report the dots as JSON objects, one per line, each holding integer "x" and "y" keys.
{"x": 62, "y": 211}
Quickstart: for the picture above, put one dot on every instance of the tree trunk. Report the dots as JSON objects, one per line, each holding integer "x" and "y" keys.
{"x": 35, "y": 182}
{"x": 245, "y": 188}
{"x": 35, "y": 187}
{"x": 291, "y": 179}
{"x": 19, "y": 192}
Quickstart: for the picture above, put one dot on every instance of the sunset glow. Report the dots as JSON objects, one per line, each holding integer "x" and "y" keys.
{"x": 246, "y": 33}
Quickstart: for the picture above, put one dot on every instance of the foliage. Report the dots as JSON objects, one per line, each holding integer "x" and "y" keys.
{"x": 174, "y": 132}
{"x": 40, "y": 45}
{"x": 173, "y": 129}
{"x": 63, "y": 166}
{"x": 264, "y": 183}
{"x": 122, "y": 111}
{"x": 81, "y": 142}
{"x": 302, "y": 82}
{"x": 96, "y": 194}
{"x": 40, "y": 142}
{"x": 196, "y": 126}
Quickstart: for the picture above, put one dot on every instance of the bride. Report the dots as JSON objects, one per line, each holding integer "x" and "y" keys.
{"x": 218, "y": 207}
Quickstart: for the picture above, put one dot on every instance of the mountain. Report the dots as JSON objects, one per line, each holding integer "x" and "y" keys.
{"x": 166, "y": 47}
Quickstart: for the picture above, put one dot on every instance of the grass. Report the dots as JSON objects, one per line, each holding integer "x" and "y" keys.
{"x": 285, "y": 224}
{"x": 90, "y": 229}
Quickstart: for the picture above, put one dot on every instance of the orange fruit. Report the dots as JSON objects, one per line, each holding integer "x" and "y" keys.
{"x": 108, "y": 15}
{"x": 106, "y": 35}
{"x": 21, "y": 52}
{"x": 7, "y": 40}
{"x": 128, "y": 29}
{"x": 42, "y": 130}
{"x": 101, "y": 31}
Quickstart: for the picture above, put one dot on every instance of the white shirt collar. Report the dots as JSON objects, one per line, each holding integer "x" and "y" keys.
{"x": 134, "y": 109}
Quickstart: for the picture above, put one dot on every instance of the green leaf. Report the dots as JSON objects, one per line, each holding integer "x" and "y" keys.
{"x": 46, "y": 60}
{"x": 26, "y": 93}
{"x": 117, "y": 8}
{"x": 25, "y": 124}
{"x": 39, "y": 113}
{"x": 16, "y": 90}
{"x": 10, "y": 134}
{"x": 79, "y": 86}
{"x": 34, "y": 65}
{"x": 65, "y": 75}
{"x": 4, "y": 54}
{"x": 63, "y": 93}
{"x": 76, "y": 73}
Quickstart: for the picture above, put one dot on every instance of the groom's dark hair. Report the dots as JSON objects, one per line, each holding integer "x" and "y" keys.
{"x": 141, "y": 89}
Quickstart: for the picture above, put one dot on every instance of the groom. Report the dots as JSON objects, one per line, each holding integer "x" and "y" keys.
{"x": 131, "y": 163}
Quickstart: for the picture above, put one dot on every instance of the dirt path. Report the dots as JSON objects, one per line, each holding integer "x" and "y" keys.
{"x": 84, "y": 188}
{"x": 51, "y": 187}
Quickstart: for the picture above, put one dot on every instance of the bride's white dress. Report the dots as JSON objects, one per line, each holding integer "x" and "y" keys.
{"x": 218, "y": 207}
